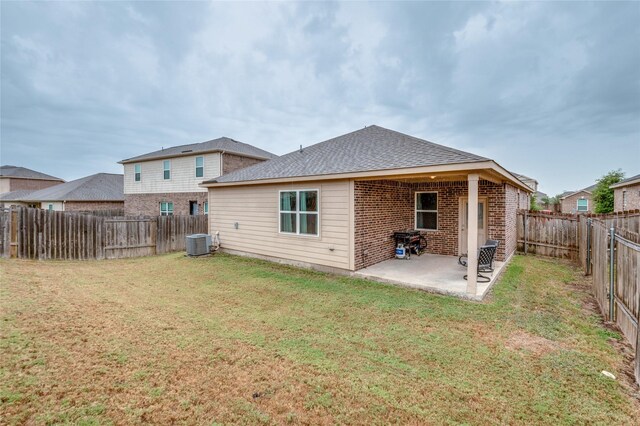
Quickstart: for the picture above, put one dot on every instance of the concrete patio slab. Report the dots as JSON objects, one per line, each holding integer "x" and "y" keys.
{"x": 429, "y": 272}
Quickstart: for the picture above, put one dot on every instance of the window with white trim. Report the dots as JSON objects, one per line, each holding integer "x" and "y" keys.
{"x": 50, "y": 207}
{"x": 166, "y": 165}
{"x": 624, "y": 199}
{"x": 206, "y": 207}
{"x": 137, "y": 172}
{"x": 427, "y": 211}
{"x": 583, "y": 205}
{"x": 166, "y": 208}
{"x": 199, "y": 166}
{"x": 299, "y": 212}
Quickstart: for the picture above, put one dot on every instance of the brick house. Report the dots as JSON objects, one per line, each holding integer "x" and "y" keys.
{"x": 335, "y": 205}
{"x": 101, "y": 191}
{"x": 577, "y": 202}
{"x": 166, "y": 182}
{"x": 626, "y": 194}
{"x": 16, "y": 182}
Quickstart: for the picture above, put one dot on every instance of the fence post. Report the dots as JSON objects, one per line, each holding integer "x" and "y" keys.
{"x": 588, "y": 266}
{"x": 612, "y": 243}
{"x": 524, "y": 218}
{"x": 13, "y": 225}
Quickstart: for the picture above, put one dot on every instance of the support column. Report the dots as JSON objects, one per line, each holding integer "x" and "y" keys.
{"x": 472, "y": 236}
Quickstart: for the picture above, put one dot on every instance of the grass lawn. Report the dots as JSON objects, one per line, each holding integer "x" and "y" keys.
{"x": 233, "y": 340}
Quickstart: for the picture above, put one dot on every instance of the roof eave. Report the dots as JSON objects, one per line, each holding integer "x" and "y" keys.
{"x": 623, "y": 184}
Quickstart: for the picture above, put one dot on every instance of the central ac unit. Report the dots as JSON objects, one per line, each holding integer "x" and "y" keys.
{"x": 198, "y": 244}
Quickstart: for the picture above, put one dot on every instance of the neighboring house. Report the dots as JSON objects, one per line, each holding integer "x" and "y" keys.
{"x": 577, "y": 202}
{"x": 14, "y": 178}
{"x": 336, "y": 204}
{"x": 102, "y": 191}
{"x": 540, "y": 197}
{"x": 626, "y": 194}
{"x": 166, "y": 182}
{"x": 530, "y": 182}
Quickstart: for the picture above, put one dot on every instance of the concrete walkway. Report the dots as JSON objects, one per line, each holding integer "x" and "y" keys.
{"x": 429, "y": 272}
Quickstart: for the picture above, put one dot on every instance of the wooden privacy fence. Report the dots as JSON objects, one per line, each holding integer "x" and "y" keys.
{"x": 607, "y": 247}
{"x": 28, "y": 233}
{"x": 612, "y": 257}
{"x": 553, "y": 235}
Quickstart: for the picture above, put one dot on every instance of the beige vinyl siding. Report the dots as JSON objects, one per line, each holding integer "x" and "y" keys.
{"x": 256, "y": 210}
{"x": 183, "y": 175}
{"x": 5, "y": 185}
{"x": 58, "y": 206}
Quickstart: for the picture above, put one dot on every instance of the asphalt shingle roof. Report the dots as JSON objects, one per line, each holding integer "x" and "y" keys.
{"x": 23, "y": 172}
{"x": 565, "y": 194}
{"x": 98, "y": 187}
{"x": 368, "y": 149}
{"x": 16, "y": 195}
{"x": 220, "y": 144}
{"x": 622, "y": 182}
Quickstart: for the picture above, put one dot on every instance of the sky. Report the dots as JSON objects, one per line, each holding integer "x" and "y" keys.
{"x": 549, "y": 90}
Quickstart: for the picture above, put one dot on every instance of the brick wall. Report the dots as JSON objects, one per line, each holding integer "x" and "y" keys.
{"x": 149, "y": 204}
{"x": 76, "y": 206}
{"x": 231, "y": 162}
{"x": 512, "y": 202}
{"x": 632, "y": 198}
{"x": 570, "y": 204}
{"x": 33, "y": 184}
{"x": 383, "y": 207}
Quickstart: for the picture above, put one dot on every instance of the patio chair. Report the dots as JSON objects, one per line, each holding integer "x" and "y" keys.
{"x": 462, "y": 260}
{"x": 485, "y": 262}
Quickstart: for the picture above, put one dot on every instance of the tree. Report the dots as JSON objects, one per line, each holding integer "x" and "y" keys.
{"x": 603, "y": 194}
{"x": 533, "y": 205}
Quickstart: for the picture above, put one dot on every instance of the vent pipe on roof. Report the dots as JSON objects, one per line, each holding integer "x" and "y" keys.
{"x": 300, "y": 148}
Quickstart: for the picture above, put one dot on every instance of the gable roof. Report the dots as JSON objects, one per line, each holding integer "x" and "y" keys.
{"x": 215, "y": 145}
{"x": 626, "y": 182}
{"x": 16, "y": 195}
{"x": 24, "y": 173}
{"x": 368, "y": 149}
{"x": 98, "y": 187}
{"x": 526, "y": 180}
{"x": 540, "y": 195}
{"x": 588, "y": 189}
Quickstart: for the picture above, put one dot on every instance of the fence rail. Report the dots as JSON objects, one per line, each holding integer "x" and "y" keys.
{"x": 607, "y": 247}
{"x": 29, "y": 233}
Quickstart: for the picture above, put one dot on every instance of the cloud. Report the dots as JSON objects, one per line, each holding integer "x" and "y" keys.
{"x": 539, "y": 87}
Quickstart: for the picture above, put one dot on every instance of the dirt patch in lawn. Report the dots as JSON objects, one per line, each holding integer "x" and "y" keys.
{"x": 537, "y": 345}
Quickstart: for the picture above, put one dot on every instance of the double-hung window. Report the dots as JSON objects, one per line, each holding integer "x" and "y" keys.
{"x": 138, "y": 172}
{"x": 427, "y": 211}
{"x": 199, "y": 166}
{"x": 583, "y": 205}
{"x": 299, "y": 212}
{"x": 206, "y": 207}
{"x": 166, "y": 165}
{"x": 166, "y": 209}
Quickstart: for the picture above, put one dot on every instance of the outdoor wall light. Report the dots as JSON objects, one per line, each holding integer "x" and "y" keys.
{"x": 236, "y": 225}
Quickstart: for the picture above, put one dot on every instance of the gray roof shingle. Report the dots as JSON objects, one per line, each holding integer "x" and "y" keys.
{"x": 16, "y": 195}
{"x": 24, "y": 173}
{"x": 98, "y": 187}
{"x": 624, "y": 181}
{"x": 566, "y": 194}
{"x": 368, "y": 149}
{"x": 221, "y": 144}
